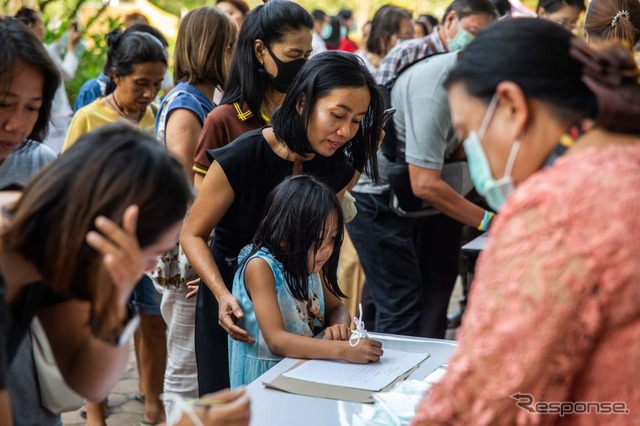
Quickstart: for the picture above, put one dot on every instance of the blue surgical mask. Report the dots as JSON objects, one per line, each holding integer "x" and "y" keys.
{"x": 326, "y": 32}
{"x": 343, "y": 31}
{"x": 460, "y": 41}
{"x": 495, "y": 191}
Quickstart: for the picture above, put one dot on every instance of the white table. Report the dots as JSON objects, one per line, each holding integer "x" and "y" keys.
{"x": 270, "y": 407}
{"x": 472, "y": 251}
{"x": 475, "y": 246}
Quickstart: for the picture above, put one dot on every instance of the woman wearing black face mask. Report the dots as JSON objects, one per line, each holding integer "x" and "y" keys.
{"x": 273, "y": 44}
{"x": 328, "y": 126}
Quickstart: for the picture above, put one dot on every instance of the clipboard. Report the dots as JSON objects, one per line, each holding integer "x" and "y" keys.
{"x": 341, "y": 393}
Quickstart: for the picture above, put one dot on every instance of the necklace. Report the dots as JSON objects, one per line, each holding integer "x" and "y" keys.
{"x": 120, "y": 110}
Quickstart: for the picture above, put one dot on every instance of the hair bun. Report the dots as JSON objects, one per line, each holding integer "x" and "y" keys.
{"x": 114, "y": 37}
{"x": 610, "y": 72}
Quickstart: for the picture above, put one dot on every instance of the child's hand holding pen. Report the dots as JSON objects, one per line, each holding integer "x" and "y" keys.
{"x": 367, "y": 350}
{"x": 361, "y": 349}
{"x": 358, "y": 350}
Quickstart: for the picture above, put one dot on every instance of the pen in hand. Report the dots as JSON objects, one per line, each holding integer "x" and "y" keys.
{"x": 360, "y": 330}
{"x": 205, "y": 402}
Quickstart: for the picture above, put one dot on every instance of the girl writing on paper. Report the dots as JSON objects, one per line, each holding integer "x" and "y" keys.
{"x": 290, "y": 267}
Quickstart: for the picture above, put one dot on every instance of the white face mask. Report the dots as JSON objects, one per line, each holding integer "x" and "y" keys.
{"x": 495, "y": 191}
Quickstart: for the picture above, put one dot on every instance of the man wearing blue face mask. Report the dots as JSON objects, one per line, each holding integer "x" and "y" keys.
{"x": 411, "y": 263}
{"x": 321, "y": 30}
{"x": 461, "y": 21}
{"x": 440, "y": 179}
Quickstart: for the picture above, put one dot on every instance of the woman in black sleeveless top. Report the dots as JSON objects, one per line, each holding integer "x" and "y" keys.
{"x": 328, "y": 126}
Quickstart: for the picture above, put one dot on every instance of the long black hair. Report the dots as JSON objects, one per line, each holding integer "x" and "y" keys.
{"x": 20, "y": 45}
{"x": 294, "y": 222}
{"x": 104, "y": 173}
{"x": 270, "y": 22}
{"x": 319, "y": 76}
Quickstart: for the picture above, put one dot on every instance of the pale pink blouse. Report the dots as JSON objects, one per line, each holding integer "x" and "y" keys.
{"x": 554, "y": 310}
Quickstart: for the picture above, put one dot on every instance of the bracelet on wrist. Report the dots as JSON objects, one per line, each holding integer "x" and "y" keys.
{"x": 486, "y": 220}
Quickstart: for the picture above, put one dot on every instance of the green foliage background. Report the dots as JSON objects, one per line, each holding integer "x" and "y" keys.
{"x": 92, "y": 60}
{"x": 59, "y": 13}
{"x": 363, "y": 10}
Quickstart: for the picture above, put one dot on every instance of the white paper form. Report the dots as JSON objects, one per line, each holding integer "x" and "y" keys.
{"x": 373, "y": 377}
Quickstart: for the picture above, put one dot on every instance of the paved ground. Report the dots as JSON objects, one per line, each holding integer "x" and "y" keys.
{"x": 125, "y": 410}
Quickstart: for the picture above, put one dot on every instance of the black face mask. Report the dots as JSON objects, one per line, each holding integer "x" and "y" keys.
{"x": 287, "y": 72}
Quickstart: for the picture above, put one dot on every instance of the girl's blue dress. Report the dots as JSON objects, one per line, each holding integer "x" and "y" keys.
{"x": 247, "y": 361}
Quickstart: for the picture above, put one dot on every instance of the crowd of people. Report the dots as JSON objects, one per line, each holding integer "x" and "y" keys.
{"x": 222, "y": 225}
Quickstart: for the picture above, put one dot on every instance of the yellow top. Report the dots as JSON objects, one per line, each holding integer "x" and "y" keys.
{"x": 96, "y": 115}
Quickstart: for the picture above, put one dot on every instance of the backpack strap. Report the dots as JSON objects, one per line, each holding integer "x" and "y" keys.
{"x": 389, "y": 144}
